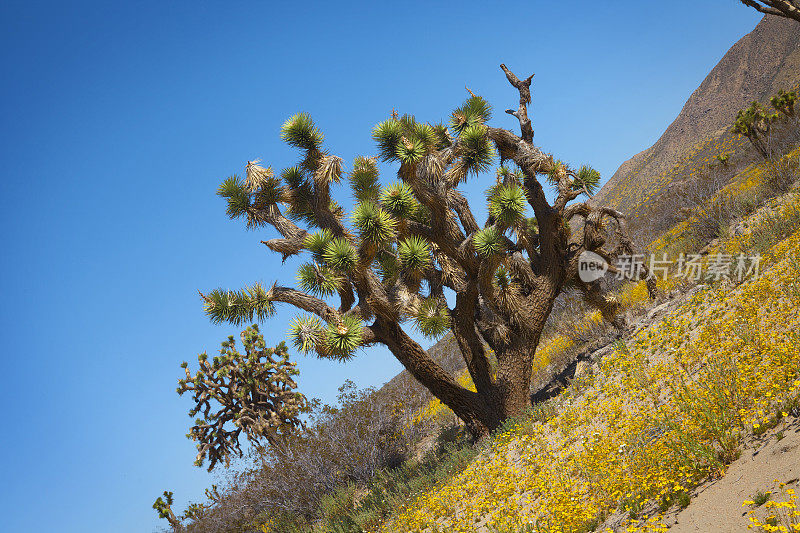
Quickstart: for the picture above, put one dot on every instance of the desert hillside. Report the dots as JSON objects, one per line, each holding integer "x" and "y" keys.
{"x": 760, "y": 63}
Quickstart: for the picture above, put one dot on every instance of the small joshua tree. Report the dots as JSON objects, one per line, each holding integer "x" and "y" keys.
{"x": 194, "y": 511}
{"x": 251, "y": 392}
{"x": 163, "y": 507}
{"x": 784, "y": 102}
{"x": 409, "y": 242}
{"x": 781, "y": 8}
{"x": 756, "y": 122}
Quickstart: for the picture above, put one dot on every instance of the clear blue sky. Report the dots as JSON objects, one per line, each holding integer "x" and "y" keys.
{"x": 119, "y": 119}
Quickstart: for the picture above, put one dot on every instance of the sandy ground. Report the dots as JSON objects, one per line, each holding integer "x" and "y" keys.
{"x": 717, "y": 506}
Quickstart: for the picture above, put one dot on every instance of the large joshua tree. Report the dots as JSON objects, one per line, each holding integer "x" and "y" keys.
{"x": 404, "y": 245}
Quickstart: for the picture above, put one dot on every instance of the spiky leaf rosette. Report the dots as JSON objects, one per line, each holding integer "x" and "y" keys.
{"x": 238, "y": 307}
{"x": 507, "y": 204}
{"x": 343, "y": 337}
{"x": 364, "y": 180}
{"x": 432, "y": 318}
{"x": 414, "y": 253}
{"x": 300, "y": 132}
{"x": 375, "y": 226}
{"x": 426, "y": 135}
{"x": 488, "y": 242}
{"x": 475, "y": 110}
{"x": 557, "y": 172}
{"x": 588, "y": 178}
{"x": 234, "y": 190}
{"x": 251, "y": 392}
{"x": 443, "y": 139}
{"x": 307, "y": 334}
{"x": 317, "y": 242}
{"x": 340, "y": 255}
{"x": 410, "y": 151}
{"x": 269, "y": 192}
{"x": 319, "y": 279}
{"x": 298, "y": 194}
{"x": 476, "y": 153}
{"x": 399, "y": 201}
{"x": 388, "y": 135}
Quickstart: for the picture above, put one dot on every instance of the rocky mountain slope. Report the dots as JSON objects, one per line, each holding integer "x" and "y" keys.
{"x": 760, "y": 63}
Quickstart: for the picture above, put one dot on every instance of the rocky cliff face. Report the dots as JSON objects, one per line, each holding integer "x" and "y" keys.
{"x": 760, "y": 63}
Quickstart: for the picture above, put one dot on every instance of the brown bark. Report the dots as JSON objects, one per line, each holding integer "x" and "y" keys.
{"x": 470, "y": 407}
{"x": 781, "y": 8}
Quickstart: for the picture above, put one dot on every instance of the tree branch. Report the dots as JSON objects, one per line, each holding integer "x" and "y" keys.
{"x": 524, "y": 88}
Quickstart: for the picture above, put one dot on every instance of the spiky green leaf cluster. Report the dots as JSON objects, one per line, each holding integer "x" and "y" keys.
{"x": 307, "y": 334}
{"x": 399, "y": 201}
{"x": 269, "y": 192}
{"x": 784, "y": 102}
{"x": 474, "y": 111}
{"x": 507, "y": 204}
{"x": 298, "y": 194}
{"x": 375, "y": 226}
{"x": 407, "y": 140}
{"x": 432, "y": 318}
{"x": 364, "y": 179}
{"x": 388, "y": 134}
{"x": 410, "y": 151}
{"x": 488, "y": 242}
{"x": 340, "y": 255}
{"x": 414, "y": 253}
{"x": 343, "y": 337}
{"x": 588, "y": 178}
{"x": 234, "y": 190}
{"x": 300, "y": 132}
{"x": 238, "y": 307}
{"x": 318, "y": 279}
{"x": 476, "y": 150}
{"x": 317, "y": 242}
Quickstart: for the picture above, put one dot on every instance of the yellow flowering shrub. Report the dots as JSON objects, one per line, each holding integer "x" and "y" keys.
{"x": 777, "y": 515}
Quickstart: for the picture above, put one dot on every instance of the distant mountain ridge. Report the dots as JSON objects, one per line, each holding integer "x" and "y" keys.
{"x": 760, "y": 63}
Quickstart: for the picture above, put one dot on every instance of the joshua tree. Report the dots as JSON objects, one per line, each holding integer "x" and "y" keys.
{"x": 254, "y": 392}
{"x": 784, "y": 102}
{"x": 782, "y": 8}
{"x": 411, "y": 241}
{"x": 755, "y": 122}
{"x": 163, "y": 507}
{"x": 193, "y": 512}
